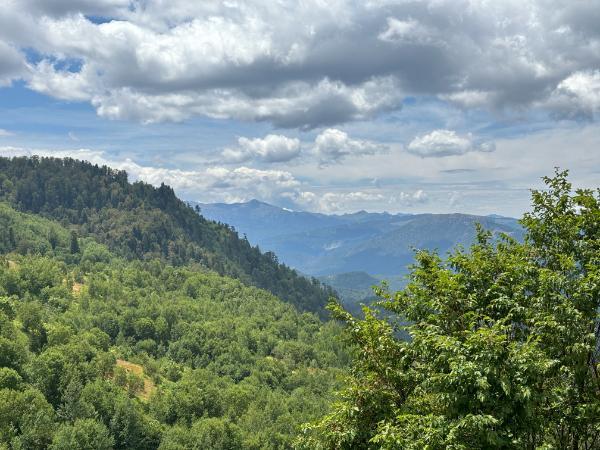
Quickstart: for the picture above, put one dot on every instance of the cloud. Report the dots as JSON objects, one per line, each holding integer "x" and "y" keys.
{"x": 332, "y": 146}
{"x": 330, "y": 202}
{"x": 272, "y": 148}
{"x": 441, "y": 143}
{"x": 5, "y": 133}
{"x": 12, "y": 64}
{"x": 211, "y": 184}
{"x": 303, "y": 64}
{"x": 58, "y": 8}
{"x": 334, "y": 202}
{"x": 578, "y": 95}
{"x": 408, "y": 199}
{"x": 407, "y": 31}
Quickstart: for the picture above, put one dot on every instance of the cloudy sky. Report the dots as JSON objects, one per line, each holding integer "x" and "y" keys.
{"x": 328, "y": 106}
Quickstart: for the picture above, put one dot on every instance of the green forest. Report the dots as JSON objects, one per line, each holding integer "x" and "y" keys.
{"x": 100, "y": 352}
{"x": 128, "y": 321}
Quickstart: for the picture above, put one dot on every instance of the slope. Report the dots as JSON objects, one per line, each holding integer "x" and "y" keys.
{"x": 139, "y": 221}
{"x": 141, "y": 354}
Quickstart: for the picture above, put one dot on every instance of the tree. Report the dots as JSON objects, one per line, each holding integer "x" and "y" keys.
{"x": 74, "y": 243}
{"x": 503, "y": 349}
{"x": 26, "y": 419}
{"x": 84, "y": 434}
{"x": 210, "y": 433}
{"x": 10, "y": 379}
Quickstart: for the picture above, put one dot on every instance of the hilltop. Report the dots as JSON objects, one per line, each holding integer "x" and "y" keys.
{"x": 140, "y": 221}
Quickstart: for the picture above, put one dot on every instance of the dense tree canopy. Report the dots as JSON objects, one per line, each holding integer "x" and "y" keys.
{"x": 99, "y": 352}
{"x": 119, "y": 330}
{"x": 503, "y": 349}
{"x": 139, "y": 221}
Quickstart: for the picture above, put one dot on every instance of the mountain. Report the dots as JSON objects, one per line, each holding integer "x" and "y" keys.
{"x": 376, "y": 243}
{"x": 261, "y": 220}
{"x": 101, "y": 351}
{"x": 139, "y": 221}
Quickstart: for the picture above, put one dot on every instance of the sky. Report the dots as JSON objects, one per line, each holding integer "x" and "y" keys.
{"x": 328, "y": 106}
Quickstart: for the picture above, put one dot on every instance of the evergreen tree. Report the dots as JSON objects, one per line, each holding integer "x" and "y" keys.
{"x": 74, "y": 243}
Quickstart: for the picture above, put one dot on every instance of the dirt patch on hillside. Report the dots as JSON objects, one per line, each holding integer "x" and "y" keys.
{"x": 138, "y": 370}
{"x": 77, "y": 287}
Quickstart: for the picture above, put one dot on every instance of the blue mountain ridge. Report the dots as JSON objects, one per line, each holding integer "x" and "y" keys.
{"x": 379, "y": 244}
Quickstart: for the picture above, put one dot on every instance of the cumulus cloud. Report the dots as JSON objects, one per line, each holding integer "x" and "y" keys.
{"x": 407, "y": 31}
{"x": 12, "y": 64}
{"x": 441, "y": 143}
{"x": 299, "y": 64}
{"x": 331, "y": 202}
{"x": 332, "y": 145}
{"x": 271, "y": 148}
{"x": 578, "y": 94}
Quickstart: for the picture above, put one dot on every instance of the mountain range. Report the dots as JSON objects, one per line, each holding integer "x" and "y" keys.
{"x": 380, "y": 244}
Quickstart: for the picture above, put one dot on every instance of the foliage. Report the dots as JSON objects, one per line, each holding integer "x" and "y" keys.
{"x": 221, "y": 364}
{"x": 504, "y": 343}
{"x": 136, "y": 221}
{"x": 84, "y": 434}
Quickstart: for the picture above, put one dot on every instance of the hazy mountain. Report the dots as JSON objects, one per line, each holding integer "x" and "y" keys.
{"x": 375, "y": 243}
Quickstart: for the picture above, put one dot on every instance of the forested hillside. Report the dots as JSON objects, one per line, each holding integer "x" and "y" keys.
{"x": 139, "y": 221}
{"x": 99, "y": 352}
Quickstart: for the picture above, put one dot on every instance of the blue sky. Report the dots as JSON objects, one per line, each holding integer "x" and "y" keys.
{"x": 414, "y": 106}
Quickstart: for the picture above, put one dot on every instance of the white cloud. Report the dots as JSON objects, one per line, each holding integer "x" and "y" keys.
{"x": 65, "y": 7}
{"x": 441, "y": 143}
{"x": 419, "y": 196}
{"x": 12, "y": 64}
{"x": 579, "y": 93}
{"x": 60, "y": 84}
{"x": 303, "y": 64}
{"x": 5, "y": 133}
{"x": 272, "y": 148}
{"x": 332, "y": 146}
{"x": 407, "y": 31}
{"x": 331, "y": 202}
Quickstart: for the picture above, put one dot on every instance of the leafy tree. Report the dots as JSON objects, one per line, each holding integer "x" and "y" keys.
{"x": 26, "y": 419}
{"x": 84, "y": 434}
{"x": 12, "y": 354}
{"x": 504, "y": 343}
{"x": 211, "y": 433}
{"x": 10, "y": 379}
